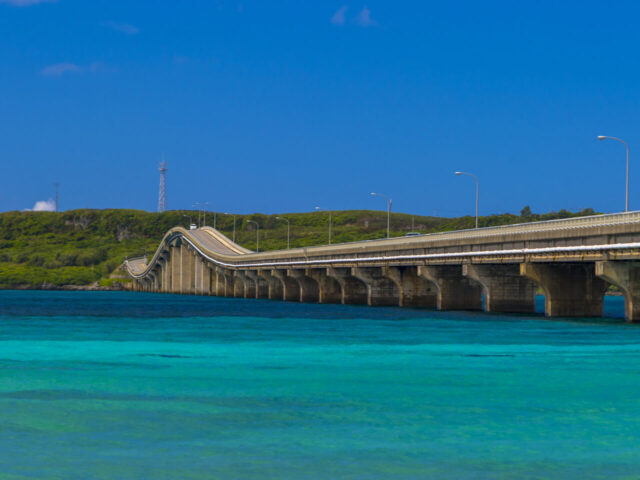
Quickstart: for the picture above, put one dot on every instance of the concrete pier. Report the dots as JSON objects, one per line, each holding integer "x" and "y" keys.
{"x": 505, "y": 290}
{"x": 570, "y": 289}
{"x": 454, "y": 291}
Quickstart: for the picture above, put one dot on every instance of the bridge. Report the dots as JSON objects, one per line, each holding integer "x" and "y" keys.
{"x": 498, "y": 269}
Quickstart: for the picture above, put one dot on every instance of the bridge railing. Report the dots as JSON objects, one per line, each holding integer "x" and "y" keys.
{"x": 603, "y": 220}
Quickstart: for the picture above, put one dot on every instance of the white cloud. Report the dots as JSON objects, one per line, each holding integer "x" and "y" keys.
{"x": 25, "y": 3}
{"x": 60, "y": 69}
{"x": 364, "y": 18}
{"x": 339, "y": 17}
{"x": 125, "y": 28}
{"x": 43, "y": 206}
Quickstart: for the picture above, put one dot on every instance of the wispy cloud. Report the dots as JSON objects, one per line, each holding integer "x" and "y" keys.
{"x": 43, "y": 206}
{"x": 339, "y": 17}
{"x": 25, "y": 3}
{"x": 364, "y": 18}
{"x": 59, "y": 69}
{"x": 125, "y": 28}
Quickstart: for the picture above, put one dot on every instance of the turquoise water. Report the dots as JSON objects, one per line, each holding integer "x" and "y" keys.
{"x": 106, "y": 385}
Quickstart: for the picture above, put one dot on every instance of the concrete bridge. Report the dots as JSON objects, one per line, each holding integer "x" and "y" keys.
{"x": 574, "y": 261}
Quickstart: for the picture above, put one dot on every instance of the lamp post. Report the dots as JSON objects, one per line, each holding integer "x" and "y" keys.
{"x": 190, "y": 221}
{"x": 257, "y": 234}
{"x": 234, "y": 226}
{"x": 204, "y": 214}
{"x": 605, "y": 137}
{"x": 196, "y": 206}
{"x": 374, "y": 194}
{"x": 288, "y": 229}
{"x": 477, "y": 190}
{"x": 318, "y": 209}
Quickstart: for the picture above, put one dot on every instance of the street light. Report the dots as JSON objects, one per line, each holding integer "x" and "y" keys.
{"x": 190, "y": 221}
{"x": 257, "y": 234}
{"x": 204, "y": 214}
{"x": 374, "y": 194}
{"x": 234, "y": 226}
{"x": 288, "y": 229}
{"x": 477, "y": 190}
{"x": 318, "y": 209}
{"x": 195, "y": 205}
{"x": 604, "y": 137}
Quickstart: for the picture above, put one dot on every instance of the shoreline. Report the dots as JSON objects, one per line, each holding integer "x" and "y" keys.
{"x": 93, "y": 287}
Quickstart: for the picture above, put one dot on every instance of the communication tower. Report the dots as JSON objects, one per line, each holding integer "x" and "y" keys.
{"x": 162, "y": 198}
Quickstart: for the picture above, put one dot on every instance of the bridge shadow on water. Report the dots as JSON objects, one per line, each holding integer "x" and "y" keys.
{"x": 154, "y": 305}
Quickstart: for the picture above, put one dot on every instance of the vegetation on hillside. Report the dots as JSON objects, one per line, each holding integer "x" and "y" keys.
{"x": 79, "y": 247}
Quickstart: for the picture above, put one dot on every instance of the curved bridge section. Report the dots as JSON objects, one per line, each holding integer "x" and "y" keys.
{"x": 498, "y": 269}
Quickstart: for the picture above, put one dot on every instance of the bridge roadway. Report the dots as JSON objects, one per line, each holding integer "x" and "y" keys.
{"x": 574, "y": 261}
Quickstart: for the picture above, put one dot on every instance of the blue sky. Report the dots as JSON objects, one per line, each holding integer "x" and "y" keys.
{"x": 282, "y": 106}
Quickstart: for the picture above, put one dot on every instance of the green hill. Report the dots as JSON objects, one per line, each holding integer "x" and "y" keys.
{"x": 79, "y": 247}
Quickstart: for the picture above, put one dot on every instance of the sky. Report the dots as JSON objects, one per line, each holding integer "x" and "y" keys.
{"x": 282, "y": 106}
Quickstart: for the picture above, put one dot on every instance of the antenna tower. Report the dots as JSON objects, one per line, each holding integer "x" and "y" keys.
{"x": 162, "y": 198}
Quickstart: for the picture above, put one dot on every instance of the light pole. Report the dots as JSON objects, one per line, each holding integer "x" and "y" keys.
{"x": 477, "y": 190}
{"x": 190, "y": 221}
{"x": 388, "y": 211}
{"x": 257, "y": 234}
{"x": 288, "y": 229}
{"x": 626, "y": 201}
{"x": 204, "y": 214}
{"x": 318, "y": 209}
{"x": 196, "y": 206}
{"x": 234, "y": 226}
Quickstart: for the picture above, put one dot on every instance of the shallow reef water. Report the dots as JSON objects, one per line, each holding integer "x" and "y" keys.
{"x": 106, "y": 385}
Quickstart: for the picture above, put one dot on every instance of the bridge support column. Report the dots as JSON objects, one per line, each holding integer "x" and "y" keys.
{"x": 415, "y": 291}
{"x": 155, "y": 281}
{"x": 570, "y": 289}
{"x": 380, "y": 289}
{"x": 261, "y": 286}
{"x": 453, "y": 290}
{"x": 353, "y": 290}
{"x": 186, "y": 270}
{"x": 206, "y": 280}
{"x": 309, "y": 290}
{"x": 249, "y": 285}
{"x": 202, "y": 277}
{"x": 198, "y": 267}
{"x": 222, "y": 287}
{"x": 175, "y": 268}
{"x": 505, "y": 290}
{"x": 290, "y": 287}
{"x": 238, "y": 284}
{"x": 162, "y": 274}
{"x": 626, "y": 276}
{"x": 166, "y": 287}
{"x": 275, "y": 289}
{"x": 329, "y": 289}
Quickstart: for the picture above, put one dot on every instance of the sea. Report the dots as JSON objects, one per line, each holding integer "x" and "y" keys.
{"x": 121, "y": 385}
